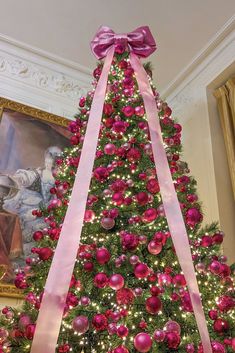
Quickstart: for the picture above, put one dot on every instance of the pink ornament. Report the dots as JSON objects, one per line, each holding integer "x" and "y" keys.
{"x": 138, "y": 291}
{"x": 139, "y": 111}
{"x": 143, "y": 239}
{"x": 159, "y": 335}
{"x": 24, "y": 321}
{"x": 116, "y": 281}
{"x": 100, "y": 322}
{"x": 112, "y": 328}
{"x": 122, "y": 331}
{"x": 143, "y": 342}
{"x": 118, "y": 198}
{"x": 107, "y": 223}
{"x": 218, "y": 347}
{"x": 190, "y": 348}
{"x": 89, "y": 216}
{"x": 153, "y": 305}
{"x": 80, "y": 324}
{"x": 153, "y": 186}
{"x": 164, "y": 279}
{"x": 173, "y": 340}
{"x": 149, "y": 215}
{"x": 142, "y": 198}
{"x": 221, "y": 325}
{"x": 102, "y": 256}
{"x": 172, "y": 326}
{"x": 154, "y": 248}
{"x": 128, "y": 111}
{"x": 193, "y": 216}
{"x": 226, "y": 303}
{"x": 120, "y": 349}
{"x": 109, "y": 149}
{"x": 85, "y": 301}
{"x": 101, "y": 173}
{"x": 213, "y": 314}
{"x": 141, "y": 271}
{"x": 134, "y": 259}
{"x": 100, "y": 280}
{"x": 3, "y": 335}
{"x": 215, "y": 267}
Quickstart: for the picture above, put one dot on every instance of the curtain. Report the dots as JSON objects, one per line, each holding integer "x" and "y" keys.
{"x": 225, "y": 96}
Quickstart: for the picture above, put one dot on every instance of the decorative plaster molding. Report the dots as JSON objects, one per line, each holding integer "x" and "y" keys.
{"x": 217, "y": 39}
{"x": 37, "y": 78}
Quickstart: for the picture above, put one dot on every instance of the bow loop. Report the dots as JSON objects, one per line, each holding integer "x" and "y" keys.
{"x": 140, "y": 41}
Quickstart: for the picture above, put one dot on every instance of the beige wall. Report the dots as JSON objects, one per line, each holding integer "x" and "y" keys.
{"x": 195, "y": 107}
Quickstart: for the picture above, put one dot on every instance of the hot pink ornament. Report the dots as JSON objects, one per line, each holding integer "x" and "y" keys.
{"x": 190, "y": 348}
{"x": 141, "y": 271}
{"x": 134, "y": 259}
{"x": 164, "y": 279}
{"x": 154, "y": 248}
{"x": 218, "y": 347}
{"x": 226, "y": 303}
{"x": 89, "y": 216}
{"x": 143, "y": 342}
{"x": 139, "y": 111}
{"x": 159, "y": 335}
{"x": 122, "y": 331}
{"x": 118, "y": 198}
{"x": 102, "y": 256}
{"x": 153, "y": 305}
{"x": 101, "y": 280}
{"x": 85, "y": 301}
{"x": 107, "y": 223}
{"x": 116, "y": 281}
{"x": 172, "y": 326}
{"x": 24, "y": 321}
{"x": 138, "y": 291}
{"x": 80, "y": 324}
{"x": 128, "y": 111}
{"x": 109, "y": 149}
{"x": 149, "y": 215}
{"x": 142, "y": 198}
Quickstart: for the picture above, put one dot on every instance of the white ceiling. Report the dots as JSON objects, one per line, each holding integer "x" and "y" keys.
{"x": 182, "y": 28}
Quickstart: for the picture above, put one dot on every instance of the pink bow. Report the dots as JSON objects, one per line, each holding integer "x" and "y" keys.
{"x": 140, "y": 41}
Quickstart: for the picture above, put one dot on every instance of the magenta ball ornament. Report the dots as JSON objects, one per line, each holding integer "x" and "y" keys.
{"x": 172, "y": 326}
{"x": 24, "y": 321}
{"x": 89, "y": 216}
{"x": 138, "y": 291}
{"x": 102, "y": 256}
{"x": 116, "y": 281}
{"x": 143, "y": 342}
{"x": 107, "y": 223}
{"x": 139, "y": 111}
{"x": 153, "y": 305}
{"x": 134, "y": 259}
{"x": 80, "y": 324}
{"x": 159, "y": 335}
{"x": 85, "y": 301}
{"x": 141, "y": 271}
{"x": 190, "y": 348}
{"x": 218, "y": 347}
{"x": 154, "y": 248}
{"x": 109, "y": 149}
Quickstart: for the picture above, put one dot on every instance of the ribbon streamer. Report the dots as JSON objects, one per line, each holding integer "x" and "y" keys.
{"x": 141, "y": 44}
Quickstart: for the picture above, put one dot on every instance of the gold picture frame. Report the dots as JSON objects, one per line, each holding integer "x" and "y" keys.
{"x": 6, "y": 105}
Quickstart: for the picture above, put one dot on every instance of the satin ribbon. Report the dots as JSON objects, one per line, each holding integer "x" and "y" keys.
{"x": 140, "y": 43}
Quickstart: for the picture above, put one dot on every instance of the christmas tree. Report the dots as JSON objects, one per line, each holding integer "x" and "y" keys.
{"x": 127, "y": 292}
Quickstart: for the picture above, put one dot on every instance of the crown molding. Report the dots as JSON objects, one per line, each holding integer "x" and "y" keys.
{"x": 201, "y": 57}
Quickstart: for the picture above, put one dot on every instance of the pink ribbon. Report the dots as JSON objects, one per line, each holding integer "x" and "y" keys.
{"x": 141, "y": 43}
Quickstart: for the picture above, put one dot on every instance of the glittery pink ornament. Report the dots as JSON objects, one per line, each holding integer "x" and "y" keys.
{"x": 190, "y": 348}
{"x": 128, "y": 111}
{"x": 172, "y": 326}
{"x": 134, "y": 259}
{"x": 225, "y": 303}
{"x": 116, "y": 281}
{"x": 107, "y": 223}
{"x": 143, "y": 342}
{"x": 109, "y": 149}
{"x": 89, "y": 216}
{"x": 149, "y": 215}
{"x": 112, "y": 328}
{"x": 159, "y": 335}
{"x": 154, "y": 248}
{"x": 100, "y": 280}
{"x": 139, "y": 111}
{"x": 218, "y": 347}
{"x": 102, "y": 256}
{"x": 80, "y": 324}
{"x": 141, "y": 270}
{"x": 138, "y": 291}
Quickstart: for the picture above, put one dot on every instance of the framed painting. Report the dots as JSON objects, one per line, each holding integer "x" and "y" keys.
{"x": 30, "y": 142}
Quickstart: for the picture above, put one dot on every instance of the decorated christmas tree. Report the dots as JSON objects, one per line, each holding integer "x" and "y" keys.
{"x": 127, "y": 292}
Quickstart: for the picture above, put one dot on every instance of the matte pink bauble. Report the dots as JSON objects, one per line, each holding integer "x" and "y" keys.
{"x": 109, "y": 149}
{"x": 143, "y": 342}
{"x": 159, "y": 335}
{"x": 141, "y": 270}
{"x": 172, "y": 326}
{"x": 154, "y": 248}
{"x": 102, "y": 256}
{"x": 80, "y": 324}
{"x": 107, "y": 223}
{"x": 122, "y": 331}
{"x": 116, "y": 281}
